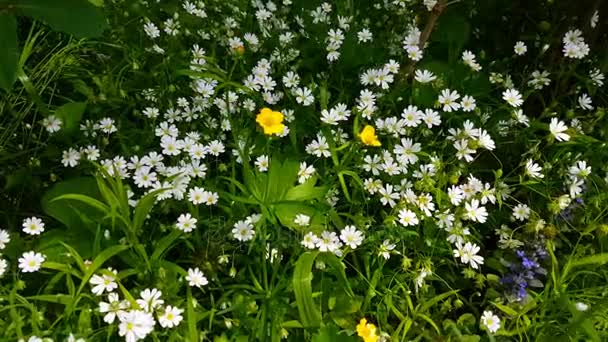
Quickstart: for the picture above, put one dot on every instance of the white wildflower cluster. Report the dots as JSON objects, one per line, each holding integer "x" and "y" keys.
{"x": 574, "y": 45}
{"x": 260, "y": 132}
{"x": 411, "y": 44}
{"x": 331, "y": 242}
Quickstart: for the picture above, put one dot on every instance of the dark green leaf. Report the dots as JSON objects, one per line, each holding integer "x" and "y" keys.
{"x": 70, "y": 114}
{"x": 9, "y": 53}
{"x": 77, "y": 17}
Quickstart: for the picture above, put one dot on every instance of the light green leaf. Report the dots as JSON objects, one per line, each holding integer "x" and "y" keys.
{"x": 9, "y": 52}
{"x": 306, "y": 191}
{"x": 77, "y": 17}
{"x": 191, "y": 316}
{"x": 84, "y": 199}
{"x": 506, "y": 309}
{"x": 310, "y": 315}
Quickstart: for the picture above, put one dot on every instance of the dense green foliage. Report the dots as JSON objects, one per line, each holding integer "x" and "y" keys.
{"x": 233, "y": 170}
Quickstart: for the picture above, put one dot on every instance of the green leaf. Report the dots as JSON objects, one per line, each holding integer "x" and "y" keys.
{"x": 68, "y": 211}
{"x": 428, "y": 304}
{"x": 330, "y": 333}
{"x": 191, "y": 316}
{"x": 310, "y": 315}
{"x": 453, "y": 29}
{"x": 281, "y": 176}
{"x": 77, "y": 17}
{"x": 164, "y": 245}
{"x": 9, "y": 51}
{"x": 143, "y": 208}
{"x": 84, "y": 199}
{"x": 58, "y": 298}
{"x": 306, "y": 191}
{"x": 99, "y": 261}
{"x": 506, "y": 309}
{"x": 70, "y": 114}
{"x": 593, "y": 259}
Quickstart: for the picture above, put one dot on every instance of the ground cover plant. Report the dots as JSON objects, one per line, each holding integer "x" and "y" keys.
{"x": 303, "y": 170}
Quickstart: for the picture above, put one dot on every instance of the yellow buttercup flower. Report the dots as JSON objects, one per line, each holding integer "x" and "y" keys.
{"x": 367, "y": 331}
{"x": 368, "y": 136}
{"x": 271, "y": 122}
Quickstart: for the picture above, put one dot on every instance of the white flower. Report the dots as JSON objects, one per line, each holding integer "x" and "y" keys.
{"x": 243, "y": 231}
{"x": 468, "y": 103}
{"x": 107, "y": 126}
{"x": 351, "y": 236}
{"x": 431, "y": 118}
{"x": 407, "y": 217}
{"x": 412, "y": 116}
{"x": 521, "y": 212}
{"x": 584, "y": 101}
{"x": 520, "y": 48}
{"x": 262, "y": 163}
{"x": 171, "y": 317}
{"x": 3, "y": 267}
{"x": 533, "y": 169}
{"x": 114, "y": 307}
{"x": 475, "y": 212}
{"x": 581, "y": 306}
{"x": 558, "y": 128}
{"x": 463, "y": 151}
{"x": 186, "y": 223}
{"x": 387, "y": 196}
{"x": 103, "y": 283}
{"x": 310, "y": 240}
{"x": 33, "y": 226}
{"x": 151, "y": 30}
{"x": 196, "y": 278}
{"x": 70, "y": 158}
{"x": 364, "y": 36}
{"x": 513, "y": 97}
{"x": 596, "y": 77}
{"x": 329, "y": 242}
{"x": 195, "y": 195}
{"x": 424, "y": 76}
{"x": 302, "y": 220}
{"x": 305, "y": 172}
{"x": 579, "y": 170}
{"x": 406, "y": 152}
{"x": 52, "y": 123}
{"x": 135, "y": 325}
{"x": 456, "y": 194}
{"x": 210, "y": 198}
{"x": 385, "y": 249}
{"x": 150, "y": 299}
{"x": 5, "y": 238}
{"x": 468, "y": 254}
{"x": 448, "y": 99}
{"x": 31, "y": 261}
{"x": 490, "y": 321}
{"x": 304, "y": 96}
{"x": 576, "y": 187}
